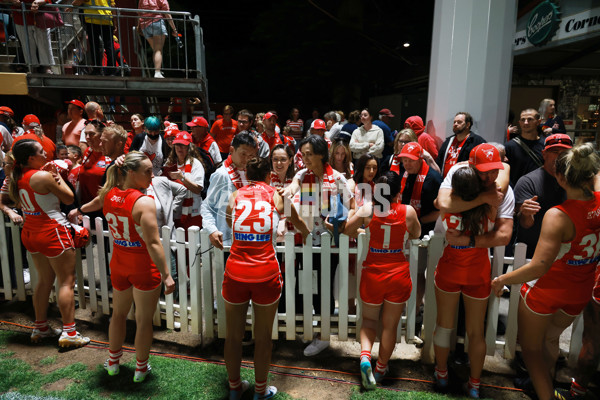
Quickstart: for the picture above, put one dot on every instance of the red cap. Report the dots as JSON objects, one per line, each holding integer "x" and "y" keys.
{"x": 558, "y": 140}
{"x": 76, "y": 102}
{"x": 485, "y": 157}
{"x": 386, "y": 112}
{"x": 270, "y": 115}
{"x": 198, "y": 121}
{"x": 171, "y": 130}
{"x": 183, "y": 138}
{"x": 7, "y": 110}
{"x": 219, "y": 116}
{"x": 412, "y": 150}
{"x": 31, "y": 120}
{"x": 318, "y": 124}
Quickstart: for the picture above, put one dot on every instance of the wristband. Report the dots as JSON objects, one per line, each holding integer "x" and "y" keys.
{"x": 79, "y": 210}
{"x": 472, "y": 241}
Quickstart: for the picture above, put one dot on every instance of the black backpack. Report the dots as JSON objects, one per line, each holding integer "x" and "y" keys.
{"x": 209, "y": 168}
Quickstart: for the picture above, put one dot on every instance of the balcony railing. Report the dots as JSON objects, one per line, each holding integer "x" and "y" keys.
{"x": 70, "y": 43}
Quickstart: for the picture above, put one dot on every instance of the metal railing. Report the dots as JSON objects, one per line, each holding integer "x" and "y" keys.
{"x": 70, "y": 34}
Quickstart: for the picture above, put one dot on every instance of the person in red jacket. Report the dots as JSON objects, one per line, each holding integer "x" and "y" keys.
{"x": 223, "y": 131}
{"x": 425, "y": 140}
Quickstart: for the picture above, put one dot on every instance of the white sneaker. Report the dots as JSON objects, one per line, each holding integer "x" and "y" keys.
{"x": 316, "y": 347}
{"x": 139, "y": 376}
{"x": 72, "y": 341}
{"x": 37, "y": 335}
{"x": 176, "y": 324}
{"x": 26, "y": 276}
{"x": 111, "y": 369}
{"x": 158, "y": 74}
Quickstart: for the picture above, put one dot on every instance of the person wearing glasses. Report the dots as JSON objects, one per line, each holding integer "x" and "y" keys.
{"x": 524, "y": 152}
{"x": 538, "y": 191}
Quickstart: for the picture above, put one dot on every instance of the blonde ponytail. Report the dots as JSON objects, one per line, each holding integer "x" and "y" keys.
{"x": 579, "y": 166}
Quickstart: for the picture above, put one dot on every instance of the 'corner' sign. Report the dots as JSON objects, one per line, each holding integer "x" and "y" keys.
{"x": 543, "y": 23}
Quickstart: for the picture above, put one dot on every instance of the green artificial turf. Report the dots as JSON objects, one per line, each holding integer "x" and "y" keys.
{"x": 170, "y": 379}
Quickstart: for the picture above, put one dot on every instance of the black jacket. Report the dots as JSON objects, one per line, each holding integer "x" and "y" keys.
{"x": 472, "y": 141}
{"x": 138, "y": 141}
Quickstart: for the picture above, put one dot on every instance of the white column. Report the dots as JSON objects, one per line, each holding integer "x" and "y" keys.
{"x": 471, "y": 65}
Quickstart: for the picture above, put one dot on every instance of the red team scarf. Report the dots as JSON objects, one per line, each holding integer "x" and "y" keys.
{"x": 415, "y": 197}
{"x": 276, "y": 182}
{"x": 188, "y": 202}
{"x": 395, "y": 167}
{"x": 233, "y": 173}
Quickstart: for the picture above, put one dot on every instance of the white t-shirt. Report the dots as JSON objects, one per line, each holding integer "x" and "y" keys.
{"x": 506, "y": 208}
{"x": 154, "y": 153}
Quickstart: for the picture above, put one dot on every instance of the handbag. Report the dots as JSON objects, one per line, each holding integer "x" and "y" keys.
{"x": 50, "y": 19}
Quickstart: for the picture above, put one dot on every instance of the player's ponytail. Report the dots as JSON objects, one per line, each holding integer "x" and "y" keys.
{"x": 21, "y": 152}
{"x": 115, "y": 175}
{"x": 579, "y": 166}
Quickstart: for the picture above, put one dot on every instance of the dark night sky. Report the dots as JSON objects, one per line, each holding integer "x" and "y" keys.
{"x": 327, "y": 53}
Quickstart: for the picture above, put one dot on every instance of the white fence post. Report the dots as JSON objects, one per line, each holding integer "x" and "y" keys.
{"x": 182, "y": 278}
{"x": 6, "y": 284}
{"x": 166, "y": 242}
{"x": 102, "y": 262}
{"x": 195, "y": 280}
{"x": 436, "y": 247}
{"x": 494, "y": 303}
{"x": 219, "y": 263}
{"x": 290, "y": 287}
{"x": 89, "y": 261}
{"x": 411, "y": 304}
{"x": 15, "y": 233}
{"x": 325, "y": 292}
{"x": 343, "y": 276}
{"x": 510, "y": 337}
{"x": 307, "y": 288}
{"x": 207, "y": 292}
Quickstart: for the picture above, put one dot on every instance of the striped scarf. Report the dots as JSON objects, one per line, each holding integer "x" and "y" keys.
{"x": 309, "y": 195}
{"x": 188, "y": 202}
{"x": 395, "y": 167}
{"x": 415, "y": 196}
{"x": 276, "y": 182}
{"x": 234, "y": 175}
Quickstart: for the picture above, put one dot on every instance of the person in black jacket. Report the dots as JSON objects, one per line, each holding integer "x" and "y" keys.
{"x": 457, "y": 147}
{"x": 152, "y": 143}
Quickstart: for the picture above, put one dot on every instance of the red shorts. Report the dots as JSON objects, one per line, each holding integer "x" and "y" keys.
{"x": 50, "y": 241}
{"x": 478, "y": 292}
{"x": 135, "y": 270}
{"x": 261, "y": 293}
{"x": 544, "y": 302}
{"x": 377, "y": 286}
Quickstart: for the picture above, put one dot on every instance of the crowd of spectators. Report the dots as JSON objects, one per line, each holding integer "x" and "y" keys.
{"x": 327, "y": 169}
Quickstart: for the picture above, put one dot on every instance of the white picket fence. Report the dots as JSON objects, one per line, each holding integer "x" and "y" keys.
{"x": 201, "y": 308}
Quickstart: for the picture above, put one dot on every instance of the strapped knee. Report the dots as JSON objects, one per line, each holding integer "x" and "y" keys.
{"x": 441, "y": 336}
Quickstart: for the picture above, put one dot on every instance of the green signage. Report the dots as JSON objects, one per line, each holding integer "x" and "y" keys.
{"x": 543, "y": 23}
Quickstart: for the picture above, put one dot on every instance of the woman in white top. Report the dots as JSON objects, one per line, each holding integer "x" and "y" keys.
{"x": 367, "y": 139}
{"x": 185, "y": 167}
